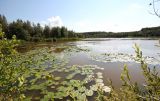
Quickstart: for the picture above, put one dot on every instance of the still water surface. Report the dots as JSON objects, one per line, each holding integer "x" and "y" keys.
{"x": 112, "y": 70}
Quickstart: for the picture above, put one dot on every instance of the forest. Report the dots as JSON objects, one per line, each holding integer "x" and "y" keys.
{"x": 26, "y": 30}
{"x": 144, "y": 32}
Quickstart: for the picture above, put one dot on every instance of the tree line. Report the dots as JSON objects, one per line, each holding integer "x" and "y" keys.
{"x": 144, "y": 32}
{"x": 26, "y": 30}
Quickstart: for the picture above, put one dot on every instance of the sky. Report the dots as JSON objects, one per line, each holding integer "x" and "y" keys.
{"x": 83, "y": 15}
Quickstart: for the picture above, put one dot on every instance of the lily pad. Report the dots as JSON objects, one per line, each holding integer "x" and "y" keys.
{"x": 81, "y": 89}
{"x": 88, "y": 92}
{"x": 57, "y": 78}
{"x": 94, "y": 87}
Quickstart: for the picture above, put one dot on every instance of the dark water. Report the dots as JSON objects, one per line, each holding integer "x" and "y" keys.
{"x": 111, "y": 70}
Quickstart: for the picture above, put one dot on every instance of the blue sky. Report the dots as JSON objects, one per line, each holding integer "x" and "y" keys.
{"x": 83, "y": 15}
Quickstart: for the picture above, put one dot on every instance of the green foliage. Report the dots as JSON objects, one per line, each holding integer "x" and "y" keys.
{"x": 144, "y": 32}
{"x": 152, "y": 86}
{"x": 46, "y": 32}
{"x": 3, "y": 21}
{"x": 24, "y": 30}
{"x": 19, "y": 29}
{"x": 38, "y": 31}
{"x": 11, "y": 74}
{"x": 64, "y": 32}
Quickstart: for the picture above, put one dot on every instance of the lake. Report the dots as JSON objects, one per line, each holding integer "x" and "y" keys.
{"x": 113, "y": 70}
{"x": 110, "y": 54}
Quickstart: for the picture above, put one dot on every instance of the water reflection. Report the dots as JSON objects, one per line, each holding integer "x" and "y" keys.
{"x": 112, "y": 70}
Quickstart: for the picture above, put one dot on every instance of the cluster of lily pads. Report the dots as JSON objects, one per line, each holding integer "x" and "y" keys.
{"x": 49, "y": 78}
{"x": 121, "y": 57}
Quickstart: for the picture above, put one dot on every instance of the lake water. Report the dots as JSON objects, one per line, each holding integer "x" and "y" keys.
{"x": 113, "y": 70}
{"x": 87, "y": 62}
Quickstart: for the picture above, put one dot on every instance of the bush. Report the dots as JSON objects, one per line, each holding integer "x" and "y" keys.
{"x": 11, "y": 75}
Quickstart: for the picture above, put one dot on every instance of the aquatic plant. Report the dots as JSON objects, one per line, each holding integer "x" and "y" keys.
{"x": 121, "y": 57}
{"x": 131, "y": 91}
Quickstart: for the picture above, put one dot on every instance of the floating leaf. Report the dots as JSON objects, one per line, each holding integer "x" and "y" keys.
{"x": 94, "y": 87}
{"x": 57, "y": 78}
{"x": 82, "y": 97}
{"x": 88, "y": 92}
{"x": 81, "y": 89}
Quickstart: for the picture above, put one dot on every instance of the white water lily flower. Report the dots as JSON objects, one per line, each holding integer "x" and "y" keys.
{"x": 106, "y": 89}
{"x": 99, "y": 81}
{"x": 100, "y": 77}
{"x": 101, "y": 68}
{"x": 100, "y": 84}
{"x": 99, "y": 73}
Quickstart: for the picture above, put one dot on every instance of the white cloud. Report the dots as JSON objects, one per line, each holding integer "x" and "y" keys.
{"x": 54, "y": 21}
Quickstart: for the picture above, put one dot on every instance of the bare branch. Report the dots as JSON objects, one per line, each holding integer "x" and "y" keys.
{"x": 154, "y": 8}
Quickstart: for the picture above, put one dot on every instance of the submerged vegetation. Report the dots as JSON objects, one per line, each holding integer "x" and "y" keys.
{"x": 43, "y": 74}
